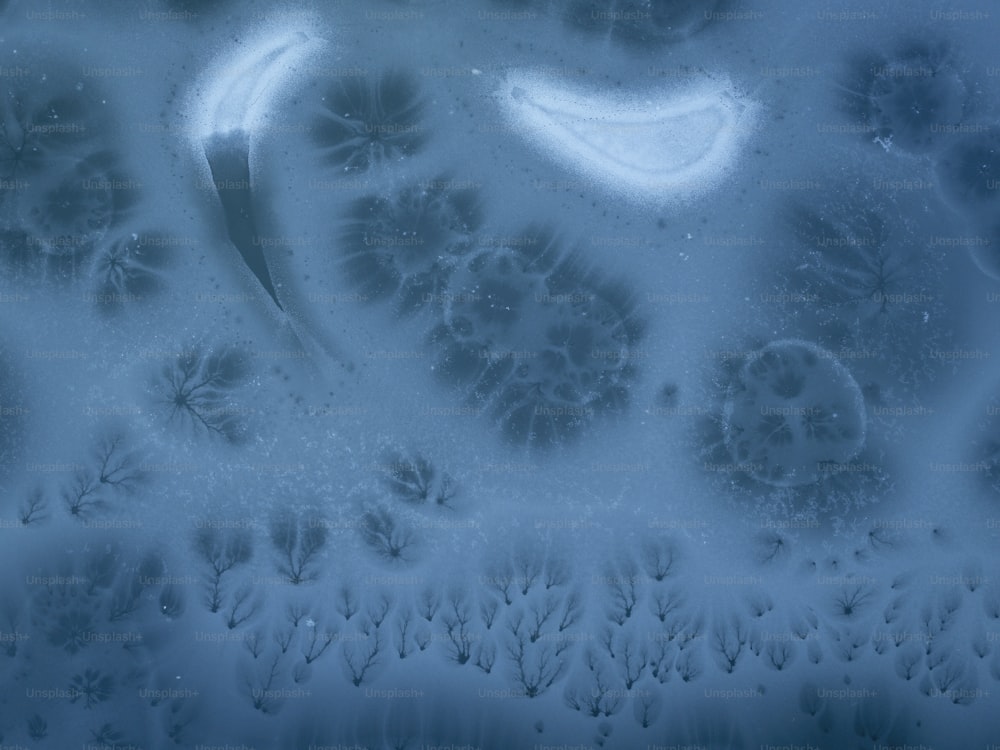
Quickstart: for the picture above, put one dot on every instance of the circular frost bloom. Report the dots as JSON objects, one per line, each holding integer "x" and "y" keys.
{"x": 535, "y": 342}
{"x": 403, "y": 247}
{"x": 913, "y": 100}
{"x": 969, "y": 171}
{"x": 130, "y": 269}
{"x": 793, "y": 414}
{"x": 365, "y": 123}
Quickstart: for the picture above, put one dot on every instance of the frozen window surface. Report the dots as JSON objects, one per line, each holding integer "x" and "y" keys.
{"x": 501, "y": 373}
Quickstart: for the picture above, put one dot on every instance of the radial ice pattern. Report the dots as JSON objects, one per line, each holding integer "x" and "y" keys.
{"x": 537, "y": 342}
{"x": 794, "y": 414}
{"x": 670, "y": 147}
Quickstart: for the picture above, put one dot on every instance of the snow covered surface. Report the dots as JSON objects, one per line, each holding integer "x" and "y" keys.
{"x": 484, "y": 466}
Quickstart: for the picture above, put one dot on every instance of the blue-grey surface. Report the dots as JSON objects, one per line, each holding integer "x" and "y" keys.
{"x": 499, "y": 374}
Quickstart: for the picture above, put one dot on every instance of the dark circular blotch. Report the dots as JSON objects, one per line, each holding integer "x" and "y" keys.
{"x": 368, "y": 122}
{"x": 535, "y": 343}
{"x": 49, "y": 112}
{"x": 58, "y": 221}
{"x": 794, "y": 414}
{"x": 404, "y": 247}
{"x": 969, "y": 173}
{"x": 912, "y": 100}
{"x": 131, "y": 270}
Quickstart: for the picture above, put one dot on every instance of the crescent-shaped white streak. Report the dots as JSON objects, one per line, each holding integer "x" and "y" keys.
{"x": 672, "y": 147}
{"x": 238, "y": 93}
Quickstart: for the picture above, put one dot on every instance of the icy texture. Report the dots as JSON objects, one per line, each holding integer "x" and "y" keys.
{"x": 500, "y": 374}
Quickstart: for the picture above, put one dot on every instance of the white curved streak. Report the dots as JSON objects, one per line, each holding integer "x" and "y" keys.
{"x": 672, "y": 147}
{"x": 237, "y": 94}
